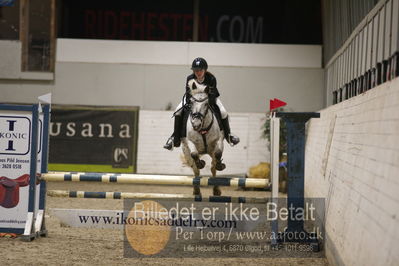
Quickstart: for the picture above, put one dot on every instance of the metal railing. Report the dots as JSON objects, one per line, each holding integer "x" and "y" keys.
{"x": 369, "y": 57}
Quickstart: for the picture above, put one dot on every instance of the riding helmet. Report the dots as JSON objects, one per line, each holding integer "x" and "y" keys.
{"x": 199, "y": 63}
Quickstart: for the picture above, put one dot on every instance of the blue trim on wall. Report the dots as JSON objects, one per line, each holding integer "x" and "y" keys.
{"x": 14, "y": 107}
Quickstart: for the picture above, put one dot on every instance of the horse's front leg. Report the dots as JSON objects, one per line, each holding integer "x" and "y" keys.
{"x": 197, "y": 163}
{"x": 191, "y": 163}
{"x": 195, "y": 155}
{"x": 218, "y": 154}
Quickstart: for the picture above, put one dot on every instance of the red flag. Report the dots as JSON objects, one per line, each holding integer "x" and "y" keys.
{"x": 276, "y": 103}
{"x": 271, "y": 104}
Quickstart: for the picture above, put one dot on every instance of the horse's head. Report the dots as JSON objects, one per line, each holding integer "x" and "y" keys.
{"x": 199, "y": 110}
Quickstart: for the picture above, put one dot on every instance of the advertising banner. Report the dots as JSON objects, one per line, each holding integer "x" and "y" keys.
{"x": 93, "y": 139}
{"x": 18, "y": 153}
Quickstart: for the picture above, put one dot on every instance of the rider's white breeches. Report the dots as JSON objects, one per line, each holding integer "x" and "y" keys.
{"x": 223, "y": 111}
{"x": 179, "y": 107}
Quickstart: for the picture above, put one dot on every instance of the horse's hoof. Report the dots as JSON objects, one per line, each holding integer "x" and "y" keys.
{"x": 220, "y": 166}
{"x": 197, "y": 192}
{"x": 200, "y": 164}
{"x": 217, "y": 191}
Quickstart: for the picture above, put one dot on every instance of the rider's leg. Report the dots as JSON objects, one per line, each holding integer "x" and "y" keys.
{"x": 174, "y": 140}
{"x": 226, "y": 125}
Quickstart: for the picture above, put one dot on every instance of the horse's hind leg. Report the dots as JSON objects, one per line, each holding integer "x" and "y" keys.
{"x": 218, "y": 158}
{"x": 197, "y": 191}
{"x": 217, "y": 163}
{"x": 194, "y": 166}
{"x": 216, "y": 189}
{"x": 196, "y": 188}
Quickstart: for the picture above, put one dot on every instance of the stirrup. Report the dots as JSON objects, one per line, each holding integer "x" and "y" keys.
{"x": 169, "y": 144}
{"x": 233, "y": 140}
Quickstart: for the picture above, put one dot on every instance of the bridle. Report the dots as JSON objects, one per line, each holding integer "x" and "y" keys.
{"x": 203, "y": 131}
{"x": 199, "y": 115}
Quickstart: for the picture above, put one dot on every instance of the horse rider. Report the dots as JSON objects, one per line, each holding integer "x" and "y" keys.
{"x": 204, "y": 77}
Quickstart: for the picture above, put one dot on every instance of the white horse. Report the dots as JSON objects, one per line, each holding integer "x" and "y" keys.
{"x": 203, "y": 136}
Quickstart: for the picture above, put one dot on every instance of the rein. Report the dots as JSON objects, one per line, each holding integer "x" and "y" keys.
{"x": 204, "y": 131}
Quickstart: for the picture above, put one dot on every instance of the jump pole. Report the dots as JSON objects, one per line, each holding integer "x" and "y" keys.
{"x": 156, "y": 179}
{"x": 129, "y": 195}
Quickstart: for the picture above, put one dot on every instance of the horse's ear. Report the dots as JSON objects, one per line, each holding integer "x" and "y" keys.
{"x": 194, "y": 86}
{"x": 206, "y": 90}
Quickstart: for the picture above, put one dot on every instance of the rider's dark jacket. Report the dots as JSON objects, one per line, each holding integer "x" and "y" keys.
{"x": 210, "y": 81}
{"x": 213, "y": 93}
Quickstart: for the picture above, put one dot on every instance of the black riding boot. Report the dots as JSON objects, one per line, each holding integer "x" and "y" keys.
{"x": 227, "y": 134}
{"x": 174, "y": 140}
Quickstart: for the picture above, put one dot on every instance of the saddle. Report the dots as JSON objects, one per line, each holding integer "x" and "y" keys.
{"x": 9, "y": 190}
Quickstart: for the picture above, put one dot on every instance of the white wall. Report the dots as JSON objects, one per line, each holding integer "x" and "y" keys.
{"x": 183, "y": 53}
{"x": 156, "y": 126}
{"x": 9, "y": 66}
{"x": 152, "y": 87}
{"x": 352, "y": 160}
{"x": 152, "y": 74}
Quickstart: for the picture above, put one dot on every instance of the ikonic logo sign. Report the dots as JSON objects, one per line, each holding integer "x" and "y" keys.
{"x": 14, "y": 135}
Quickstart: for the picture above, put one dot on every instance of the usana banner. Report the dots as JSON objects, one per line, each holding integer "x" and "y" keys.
{"x": 93, "y": 139}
